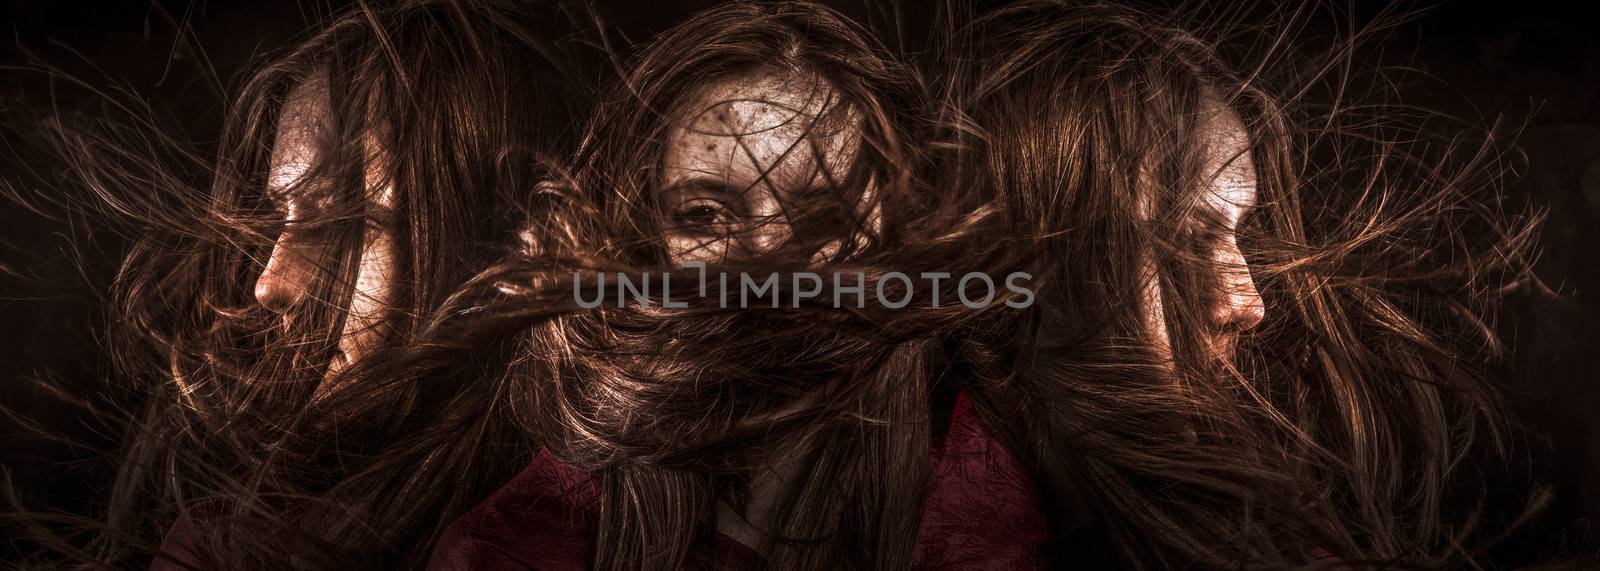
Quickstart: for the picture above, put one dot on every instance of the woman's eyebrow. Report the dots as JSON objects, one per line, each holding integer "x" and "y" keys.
{"x": 819, "y": 187}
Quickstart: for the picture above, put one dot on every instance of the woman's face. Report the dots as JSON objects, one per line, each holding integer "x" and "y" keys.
{"x": 743, "y": 153}
{"x": 1230, "y": 194}
{"x": 300, "y": 255}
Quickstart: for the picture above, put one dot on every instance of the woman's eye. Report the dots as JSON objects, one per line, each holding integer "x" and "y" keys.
{"x": 700, "y": 215}
{"x": 295, "y": 208}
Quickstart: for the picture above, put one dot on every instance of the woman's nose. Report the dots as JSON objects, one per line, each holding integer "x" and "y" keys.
{"x": 764, "y": 235}
{"x": 1240, "y": 307}
{"x": 286, "y": 277}
{"x": 766, "y": 225}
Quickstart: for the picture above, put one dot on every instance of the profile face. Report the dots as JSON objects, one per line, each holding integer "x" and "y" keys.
{"x": 751, "y": 162}
{"x": 301, "y": 256}
{"x": 1235, "y": 305}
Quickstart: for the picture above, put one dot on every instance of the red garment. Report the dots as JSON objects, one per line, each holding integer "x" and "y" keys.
{"x": 981, "y": 512}
{"x": 178, "y": 547}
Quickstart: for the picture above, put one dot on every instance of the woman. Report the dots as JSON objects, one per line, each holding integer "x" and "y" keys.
{"x": 362, "y": 176}
{"x": 1218, "y": 373}
{"x": 756, "y": 138}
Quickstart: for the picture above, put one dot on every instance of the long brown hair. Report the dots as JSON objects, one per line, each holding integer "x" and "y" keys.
{"x": 1337, "y": 431}
{"x": 676, "y": 410}
{"x": 455, "y": 105}
{"x": 1358, "y": 387}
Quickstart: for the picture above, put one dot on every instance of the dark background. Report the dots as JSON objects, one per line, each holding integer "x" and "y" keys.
{"x": 1533, "y": 65}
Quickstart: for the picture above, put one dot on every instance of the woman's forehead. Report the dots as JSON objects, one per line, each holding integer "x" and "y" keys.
{"x": 1230, "y": 171}
{"x": 758, "y": 127}
{"x": 303, "y": 123}
{"x": 760, "y": 102}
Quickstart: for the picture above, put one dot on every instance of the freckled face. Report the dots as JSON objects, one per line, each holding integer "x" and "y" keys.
{"x": 1237, "y": 307}
{"x": 301, "y": 255}
{"x": 744, "y": 153}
